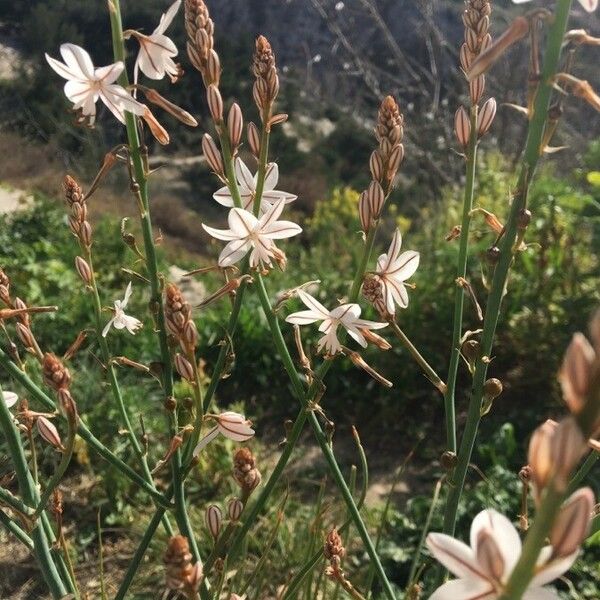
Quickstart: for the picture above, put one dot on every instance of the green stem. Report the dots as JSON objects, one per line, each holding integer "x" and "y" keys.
{"x": 13, "y": 528}
{"x": 262, "y": 169}
{"x": 530, "y": 160}
{"x": 427, "y": 369}
{"x": 18, "y": 375}
{"x": 152, "y": 268}
{"x": 536, "y": 537}
{"x": 30, "y": 498}
{"x": 583, "y": 471}
{"x": 459, "y": 293}
{"x": 15, "y": 503}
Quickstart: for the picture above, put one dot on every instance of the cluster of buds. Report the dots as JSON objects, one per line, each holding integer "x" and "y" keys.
{"x": 476, "y": 19}
{"x": 245, "y": 473}
{"x": 181, "y": 575}
{"x": 333, "y": 549}
{"x": 200, "y": 31}
{"x": 384, "y": 161}
{"x": 57, "y": 376}
{"x": 78, "y": 222}
{"x": 266, "y": 85}
{"x": 178, "y": 316}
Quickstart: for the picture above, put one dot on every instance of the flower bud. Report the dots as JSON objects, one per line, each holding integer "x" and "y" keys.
{"x": 49, "y": 433}
{"x": 215, "y": 103}
{"x": 364, "y": 212}
{"x": 376, "y": 199}
{"x": 572, "y": 523}
{"x": 85, "y": 233}
{"x": 394, "y": 161}
{"x": 578, "y": 369}
{"x": 333, "y": 548}
{"x": 214, "y": 519}
{"x": 486, "y": 117}
{"x": 56, "y": 374}
{"x": 184, "y": 367}
{"x": 235, "y": 125}
{"x": 213, "y": 68}
{"x": 234, "y": 426}
{"x": 245, "y": 473}
{"x": 253, "y": 139}
{"x": 235, "y": 508}
{"x": 212, "y": 155}
{"x": 190, "y": 334}
{"x": 376, "y": 165}
{"x": 476, "y": 89}
{"x": 25, "y": 335}
{"x": 462, "y": 126}
{"x": 84, "y": 270}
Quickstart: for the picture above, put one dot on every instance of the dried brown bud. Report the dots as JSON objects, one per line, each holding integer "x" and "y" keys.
{"x": 181, "y": 575}
{"x": 56, "y": 374}
{"x": 245, "y": 472}
{"x": 523, "y": 218}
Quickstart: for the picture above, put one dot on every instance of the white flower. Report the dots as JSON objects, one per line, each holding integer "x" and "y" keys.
{"x": 247, "y": 186}
{"x": 246, "y": 231}
{"x": 10, "y": 399}
{"x": 230, "y": 424}
{"x": 393, "y": 269}
{"x": 483, "y": 568}
{"x": 85, "y": 84}
{"x": 120, "y": 320}
{"x": 155, "y": 58}
{"x": 589, "y": 5}
{"x": 346, "y": 315}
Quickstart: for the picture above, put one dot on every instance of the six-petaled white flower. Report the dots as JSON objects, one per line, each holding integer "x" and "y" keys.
{"x": 247, "y": 187}
{"x": 155, "y": 58}
{"x": 393, "y": 269}
{"x": 589, "y": 5}
{"x": 483, "y": 568}
{"x": 346, "y": 315}
{"x": 10, "y": 398}
{"x": 230, "y": 424}
{"x": 86, "y": 84}
{"x": 120, "y": 320}
{"x": 246, "y": 231}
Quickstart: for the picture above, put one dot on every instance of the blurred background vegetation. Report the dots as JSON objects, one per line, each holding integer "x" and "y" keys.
{"x": 333, "y": 74}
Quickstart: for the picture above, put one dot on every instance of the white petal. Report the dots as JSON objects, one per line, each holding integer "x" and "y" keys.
{"x": 244, "y": 176}
{"x": 382, "y": 263}
{"x": 107, "y": 327}
{"x": 271, "y": 176}
{"x": 209, "y": 437}
{"x": 395, "y": 246}
{"x": 128, "y": 291}
{"x": 397, "y": 290}
{"x": 154, "y": 55}
{"x": 10, "y": 398}
{"x": 221, "y": 234}
{"x": 550, "y": 571}
{"x": 77, "y": 60}
{"x": 110, "y": 73}
{"x": 347, "y": 313}
{"x": 131, "y": 323}
{"x": 357, "y": 335}
{"x": 167, "y": 18}
{"x": 223, "y": 197}
{"x": 329, "y": 342}
{"x": 272, "y": 196}
{"x": 271, "y": 215}
{"x": 539, "y": 593}
{"x": 504, "y": 533}
{"x": 241, "y": 221}
{"x": 114, "y": 97}
{"x": 304, "y": 317}
{"x": 365, "y": 324}
{"x": 404, "y": 266}
{"x": 457, "y": 557}
{"x": 464, "y": 589}
{"x": 232, "y": 252}
{"x": 280, "y": 230}
{"x": 78, "y": 92}
{"x": 589, "y": 5}
{"x": 238, "y": 432}
{"x": 312, "y": 303}
{"x": 63, "y": 70}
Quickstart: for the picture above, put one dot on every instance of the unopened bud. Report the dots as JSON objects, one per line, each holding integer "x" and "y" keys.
{"x": 235, "y": 509}
{"x": 212, "y": 155}
{"x": 213, "y": 68}
{"x": 190, "y": 334}
{"x": 394, "y": 161}
{"x": 476, "y": 89}
{"x": 56, "y": 374}
{"x": 376, "y": 165}
{"x": 235, "y": 125}
{"x": 486, "y": 117}
{"x": 579, "y": 369}
{"x": 253, "y": 139}
{"x": 49, "y": 433}
{"x": 184, "y": 367}
{"x": 85, "y": 233}
{"x": 376, "y": 198}
{"x": 25, "y": 335}
{"x": 215, "y": 103}
{"x": 333, "y": 549}
{"x": 214, "y": 519}
{"x": 572, "y": 523}
{"x": 364, "y": 212}
{"x": 84, "y": 270}
{"x": 462, "y": 126}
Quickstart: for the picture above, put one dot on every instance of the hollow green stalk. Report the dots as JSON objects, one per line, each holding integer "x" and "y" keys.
{"x": 459, "y": 293}
{"x": 583, "y": 471}
{"x": 531, "y": 157}
{"x": 30, "y": 498}
{"x": 141, "y": 190}
{"x": 15, "y": 503}
{"x": 13, "y": 528}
